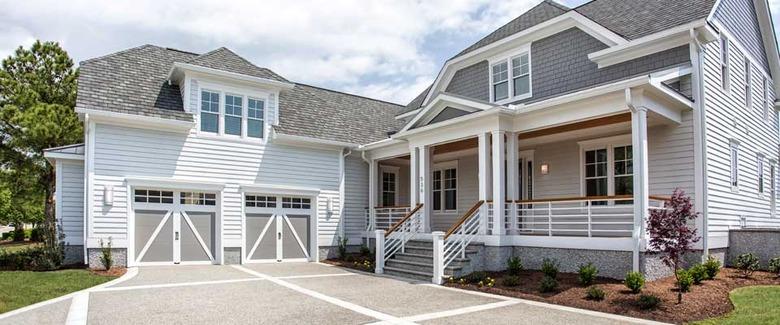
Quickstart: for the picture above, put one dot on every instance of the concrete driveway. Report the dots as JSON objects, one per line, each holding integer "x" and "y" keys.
{"x": 288, "y": 293}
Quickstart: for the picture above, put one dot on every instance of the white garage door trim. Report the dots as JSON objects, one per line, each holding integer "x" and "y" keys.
{"x": 278, "y": 216}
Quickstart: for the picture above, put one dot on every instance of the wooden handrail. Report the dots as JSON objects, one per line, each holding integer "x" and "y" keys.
{"x": 400, "y": 222}
{"x": 592, "y": 198}
{"x": 660, "y": 198}
{"x": 463, "y": 218}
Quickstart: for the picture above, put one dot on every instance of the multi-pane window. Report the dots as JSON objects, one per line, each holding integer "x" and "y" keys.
{"x": 198, "y": 198}
{"x": 734, "y": 155}
{"x": 233, "y": 114}
{"x": 296, "y": 203}
{"x": 521, "y": 75}
{"x": 153, "y": 196}
{"x": 766, "y": 98}
{"x": 500, "y": 81}
{"x": 624, "y": 170}
{"x": 436, "y": 190}
{"x": 388, "y": 189}
{"x": 748, "y": 84}
{"x": 596, "y": 172}
{"x": 445, "y": 189}
{"x": 209, "y": 111}
{"x": 260, "y": 201}
{"x": 254, "y": 124}
{"x": 724, "y": 61}
{"x": 760, "y": 172}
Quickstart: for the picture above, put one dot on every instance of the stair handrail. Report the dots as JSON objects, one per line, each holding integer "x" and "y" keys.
{"x": 396, "y": 237}
{"x": 466, "y": 228}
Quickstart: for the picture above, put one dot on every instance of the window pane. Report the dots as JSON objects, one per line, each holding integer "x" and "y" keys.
{"x": 450, "y": 198}
{"x": 500, "y": 72}
{"x": 254, "y": 128}
{"x": 209, "y": 122}
{"x": 501, "y": 91}
{"x": 233, "y": 105}
{"x": 209, "y": 101}
{"x": 232, "y": 125}
{"x": 624, "y": 185}
{"x": 256, "y": 108}
{"x": 522, "y": 85}
{"x": 590, "y": 157}
{"x": 596, "y": 187}
{"x": 437, "y": 200}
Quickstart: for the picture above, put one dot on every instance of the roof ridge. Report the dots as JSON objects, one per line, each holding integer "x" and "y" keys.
{"x": 559, "y": 5}
{"x": 182, "y": 51}
{"x": 349, "y": 94}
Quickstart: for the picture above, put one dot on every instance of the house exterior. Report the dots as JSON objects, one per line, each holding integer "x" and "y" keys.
{"x": 552, "y": 137}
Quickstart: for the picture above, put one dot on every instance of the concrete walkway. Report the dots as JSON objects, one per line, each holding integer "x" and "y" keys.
{"x": 297, "y": 293}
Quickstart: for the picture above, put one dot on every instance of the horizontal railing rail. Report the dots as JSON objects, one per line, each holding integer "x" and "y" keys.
{"x": 385, "y": 217}
{"x": 394, "y": 239}
{"x": 460, "y": 235}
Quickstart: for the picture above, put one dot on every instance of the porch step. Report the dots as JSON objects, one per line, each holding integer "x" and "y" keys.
{"x": 409, "y": 274}
{"x": 416, "y": 262}
{"x": 426, "y": 266}
{"x": 423, "y": 257}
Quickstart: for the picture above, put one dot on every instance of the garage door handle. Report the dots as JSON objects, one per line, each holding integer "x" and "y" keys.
{"x": 176, "y": 235}
{"x": 279, "y": 235}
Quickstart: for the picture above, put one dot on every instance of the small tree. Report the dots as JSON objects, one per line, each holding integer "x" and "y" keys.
{"x": 672, "y": 233}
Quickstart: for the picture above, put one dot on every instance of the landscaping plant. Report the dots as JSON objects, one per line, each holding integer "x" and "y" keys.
{"x": 514, "y": 266}
{"x": 365, "y": 251}
{"x": 548, "y": 284}
{"x": 712, "y": 267}
{"x": 635, "y": 281}
{"x": 595, "y": 293}
{"x": 648, "y": 302}
{"x": 342, "y": 242}
{"x": 475, "y": 277}
{"x": 698, "y": 273}
{"x": 550, "y": 268}
{"x": 510, "y": 281}
{"x": 671, "y": 232}
{"x": 684, "y": 280}
{"x": 587, "y": 274}
{"x": 106, "y": 258}
{"x": 774, "y": 266}
{"x": 747, "y": 264}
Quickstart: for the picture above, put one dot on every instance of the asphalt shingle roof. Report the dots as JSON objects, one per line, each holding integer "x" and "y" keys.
{"x": 135, "y": 81}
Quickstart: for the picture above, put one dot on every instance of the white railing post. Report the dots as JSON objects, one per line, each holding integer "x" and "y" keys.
{"x": 380, "y": 252}
{"x": 590, "y": 225}
{"x": 438, "y": 257}
{"x": 549, "y": 218}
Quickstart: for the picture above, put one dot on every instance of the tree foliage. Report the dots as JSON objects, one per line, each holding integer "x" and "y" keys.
{"x": 672, "y": 233}
{"x": 37, "y": 96}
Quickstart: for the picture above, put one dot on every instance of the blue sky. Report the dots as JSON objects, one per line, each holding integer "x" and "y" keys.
{"x": 389, "y": 49}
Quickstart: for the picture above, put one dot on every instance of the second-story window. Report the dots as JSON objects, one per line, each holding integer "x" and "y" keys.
{"x": 209, "y": 111}
{"x": 724, "y": 61}
{"x": 748, "y": 84}
{"x": 254, "y": 124}
{"x": 521, "y": 75}
{"x": 500, "y": 81}
{"x": 233, "y": 114}
{"x": 766, "y": 98}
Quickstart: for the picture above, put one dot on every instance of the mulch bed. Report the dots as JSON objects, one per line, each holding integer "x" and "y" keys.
{"x": 354, "y": 261}
{"x": 710, "y": 299}
{"x": 114, "y": 271}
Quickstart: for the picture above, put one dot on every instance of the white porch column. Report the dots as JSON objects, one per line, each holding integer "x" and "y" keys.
{"x": 426, "y": 195}
{"x": 372, "y": 192}
{"x": 512, "y": 176}
{"x": 414, "y": 180}
{"x": 641, "y": 177}
{"x": 484, "y": 176}
{"x": 499, "y": 173}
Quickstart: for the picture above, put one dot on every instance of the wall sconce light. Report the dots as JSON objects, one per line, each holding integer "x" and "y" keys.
{"x": 330, "y": 206}
{"x": 545, "y": 169}
{"x": 108, "y": 195}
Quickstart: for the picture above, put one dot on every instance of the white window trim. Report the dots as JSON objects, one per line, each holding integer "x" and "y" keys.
{"x": 507, "y": 57}
{"x": 524, "y": 157}
{"x": 734, "y": 166}
{"x": 748, "y": 85}
{"x": 200, "y": 110}
{"x": 725, "y": 56}
{"x": 395, "y": 170}
{"x": 760, "y": 176}
{"x": 245, "y": 94}
{"x": 765, "y": 99}
{"x": 609, "y": 144}
{"x": 245, "y": 129}
{"x": 773, "y": 188}
{"x": 441, "y": 167}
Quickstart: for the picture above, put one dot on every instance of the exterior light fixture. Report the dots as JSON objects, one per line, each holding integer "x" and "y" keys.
{"x": 545, "y": 169}
{"x": 108, "y": 195}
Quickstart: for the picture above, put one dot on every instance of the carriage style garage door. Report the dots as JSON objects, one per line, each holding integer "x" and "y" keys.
{"x": 278, "y": 228}
{"x": 173, "y": 227}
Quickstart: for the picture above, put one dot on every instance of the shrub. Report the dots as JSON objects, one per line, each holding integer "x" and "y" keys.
{"x": 18, "y": 234}
{"x": 595, "y": 293}
{"x": 712, "y": 266}
{"x": 587, "y": 274}
{"x": 635, "y": 281}
{"x": 106, "y": 258}
{"x": 365, "y": 251}
{"x": 7, "y": 235}
{"x": 774, "y": 266}
{"x": 36, "y": 234}
{"x": 647, "y": 302}
{"x": 510, "y": 281}
{"x": 698, "y": 273}
{"x": 37, "y": 258}
{"x": 514, "y": 266}
{"x": 684, "y": 280}
{"x": 550, "y": 268}
{"x": 747, "y": 264}
{"x": 342, "y": 247}
{"x": 548, "y": 284}
{"x": 476, "y": 277}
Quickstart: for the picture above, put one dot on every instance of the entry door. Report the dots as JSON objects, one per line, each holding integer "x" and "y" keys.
{"x": 174, "y": 236}
{"x": 278, "y": 229}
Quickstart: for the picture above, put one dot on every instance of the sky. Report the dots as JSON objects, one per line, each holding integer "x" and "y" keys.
{"x": 389, "y": 50}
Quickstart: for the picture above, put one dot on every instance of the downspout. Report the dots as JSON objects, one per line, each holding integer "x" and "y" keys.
{"x": 342, "y": 188}
{"x": 700, "y": 132}
{"x": 86, "y": 187}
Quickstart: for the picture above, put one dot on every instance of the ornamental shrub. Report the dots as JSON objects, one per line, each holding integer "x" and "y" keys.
{"x": 698, "y": 273}
{"x": 774, "y": 266}
{"x": 514, "y": 266}
{"x": 587, "y": 274}
{"x": 548, "y": 284}
{"x": 747, "y": 264}
{"x": 550, "y": 268}
{"x": 684, "y": 280}
{"x": 635, "y": 281}
{"x": 712, "y": 266}
{"x": 595, "y": 293}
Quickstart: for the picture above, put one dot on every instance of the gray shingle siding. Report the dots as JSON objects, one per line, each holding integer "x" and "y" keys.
{"x": 448, "y": 113}
{"x": 739, "y": 17}
{"x": 471, "y": 82}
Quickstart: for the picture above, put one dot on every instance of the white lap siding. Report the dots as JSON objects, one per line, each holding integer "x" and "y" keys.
{"x": 121, "y": 152}
{"x": 355, "y": 197}
{"x": 71, "y": 200}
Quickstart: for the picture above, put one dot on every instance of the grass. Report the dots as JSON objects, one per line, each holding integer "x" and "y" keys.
{"x": 17, "y": 246}
{"x": 22, "y": 288}
{"x": 752, "y": 305}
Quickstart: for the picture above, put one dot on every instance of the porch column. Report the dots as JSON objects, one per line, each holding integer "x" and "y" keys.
{"x": 641, "y": 178}
{"x": 414, "y": 181}
{"x": 372, "y": 192}
{"x": 483, "y": 157}
{"x": 424, "y": 175}
{"x": 499, "y": 173}
{"x": 511, "y": 176}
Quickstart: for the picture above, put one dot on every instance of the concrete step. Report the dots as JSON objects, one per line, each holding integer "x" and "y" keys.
{"x": 414, "y": 257}
{"x": 408, "y": 274}
{"x": 426, "y": 267}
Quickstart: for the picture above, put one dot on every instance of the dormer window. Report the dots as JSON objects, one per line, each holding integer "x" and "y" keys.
{"x": 233, "y": 114}
{"x": 510, "y": 77}
{"x": 209, "y": 111}
{"x": 254, "y": 126}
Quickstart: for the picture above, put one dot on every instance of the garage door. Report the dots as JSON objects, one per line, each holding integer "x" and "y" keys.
{"x": 278, "y": 228}
{"x": 173, "y": 227}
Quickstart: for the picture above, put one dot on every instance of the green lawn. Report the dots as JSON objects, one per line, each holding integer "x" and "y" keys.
{"x": 17, "y": 246}
{"x": 752, "y": 305}
{"x": 22, "y": 288}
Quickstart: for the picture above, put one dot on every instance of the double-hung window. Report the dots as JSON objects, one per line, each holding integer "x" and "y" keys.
{"x": 724, "y": 61}
{"x": 624, "y": 170}
{"x": 500, "y": 81}
{"x": 521, "y": 75}
{"x": 734, "y": 156}
{"x": 209, "y": 111}
{"x": 254, "y": 127}
{"x": 445, "y": 189}
{"x": 760, "y": 173}
{"x": 596, "y": 172}
{"x": 389, "y": 188}
{"x": 748, "y": 85}
{"x": 233, "y": 114}
{"x": 766, "y": 98}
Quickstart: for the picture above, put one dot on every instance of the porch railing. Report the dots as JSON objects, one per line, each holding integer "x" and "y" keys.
{"x": 393, "y": 240}
{"x": 385, "y": 217}
{"x": 460, "y": 235}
